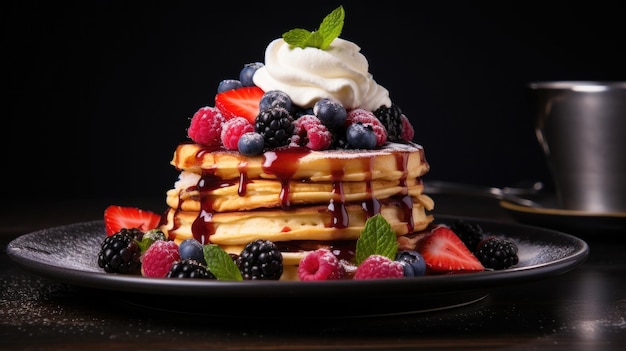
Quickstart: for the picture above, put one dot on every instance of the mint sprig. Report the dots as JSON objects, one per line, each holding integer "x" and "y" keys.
{"x": 329, "y": 29}
{"x": 220, "y": 263}
{"x": 377, "y": 238}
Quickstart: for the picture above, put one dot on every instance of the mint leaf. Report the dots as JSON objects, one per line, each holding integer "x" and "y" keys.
{"x": 297, "y": 37}
{"x": 220, "y": 263}
{"x": 331, "y": 26}
{"x": 377, "y": 238}
{"x": 329, "y": 29}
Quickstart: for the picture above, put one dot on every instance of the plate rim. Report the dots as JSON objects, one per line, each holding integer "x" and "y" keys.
{"x": 426, "y": 284}
{"x": 559, "y": 211}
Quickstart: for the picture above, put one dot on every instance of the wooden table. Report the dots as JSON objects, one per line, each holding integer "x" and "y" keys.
{"x": 584, "y": 309}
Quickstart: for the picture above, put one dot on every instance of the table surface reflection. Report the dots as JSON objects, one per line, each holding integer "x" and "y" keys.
{"x": 584, "y": 309}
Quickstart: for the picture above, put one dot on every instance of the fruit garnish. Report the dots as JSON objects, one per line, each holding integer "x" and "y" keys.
{"x": 444, "y": 251}
{"x": 159, "y": 258}
{"x": 150, "y": 237}
{"x": 379, "y": 267}
{"x": 119, "y": 217}
{"x": 377, "y": 238}
{"x": 220, "y": 264}
{"x": 320, "y": 264}
{"x": 329, "y": 29}
{"x": 242, "y": 102}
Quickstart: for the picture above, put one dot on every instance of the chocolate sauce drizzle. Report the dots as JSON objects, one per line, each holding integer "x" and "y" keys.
{"x": 283, "y": 163}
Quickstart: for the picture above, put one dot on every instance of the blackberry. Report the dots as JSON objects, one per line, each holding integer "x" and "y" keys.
{"x": 120, "y": 252}
{"x": 497, "y": 253}
{"x": 470, "y": 233}
{"x": 260, "y": 260}
{"x": 189, "y": 268}
{"x": 391, "y": 118}
{"x": 276, "y": 126}
{"x": 340, "y": 140}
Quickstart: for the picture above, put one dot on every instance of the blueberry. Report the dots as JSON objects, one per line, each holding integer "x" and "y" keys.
{"x": 412, "y": 262}
{"x": 251, "y": 144}
{"x": 361, "y": 136}
{"x": 330, "y": 112}
{"x": 191, "y": 249}
{"x": 247, "y": 72}
{"x": 275, "y": 98}
{"x": 228, "y": 84}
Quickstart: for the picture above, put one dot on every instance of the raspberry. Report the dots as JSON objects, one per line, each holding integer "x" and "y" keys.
{"x": 377, "y": 266}
{"x": 233, "y": 129}
{"x": 320, "y": 264}
{"x": 407, "y": 129}
{"x": 158, "y": 258}
{"x": 368, "y": 118}
{"x": 310, "y": 132}
{"x": 206, "y": 126}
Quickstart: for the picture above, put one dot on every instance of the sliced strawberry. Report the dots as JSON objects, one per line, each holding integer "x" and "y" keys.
{"x": 242, "y": 102}
{"x": 444, "y": 251}
{"x": 118, "y": 217}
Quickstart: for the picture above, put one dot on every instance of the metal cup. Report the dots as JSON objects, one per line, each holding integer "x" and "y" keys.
{"x": 581, "y": 126}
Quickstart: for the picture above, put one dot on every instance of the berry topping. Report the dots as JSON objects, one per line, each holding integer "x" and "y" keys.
{"x": 247, "y": 73}
{"x": 444, "y": 251}
{"x": 391, "y": 118}
{"x": 330, "y": 112}
{"x": 275, "y": 98}
{"x": 233, "y": 129}
{"x": 189, "y": 269}
{"x": 408, "y": 133}
{"x": 159, "y": 258}
{"x": 260, "y": 260}
{"x": 378, "y": 266}
{"x": 320, "y": 264}
{"x": 251, "y": 144}
{"x": 242, "y": 102}
{"x": 309, "y": 132}
{"x": 228, "y": 84}
{"x": 119, "y": 217}
{"x": 360, "y": 136}
{"x": 412, "y": 262}
{"x": 368, "y": 118}
{"x": 206, "y": 126}
{"x": 276, "y": 126}
{"x": 470, "y": 233}
{"x": 497, "y": 253}
{"x": 120, "y": 252}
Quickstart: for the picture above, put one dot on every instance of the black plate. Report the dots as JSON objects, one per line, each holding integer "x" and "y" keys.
{"x": 68, "y": 254}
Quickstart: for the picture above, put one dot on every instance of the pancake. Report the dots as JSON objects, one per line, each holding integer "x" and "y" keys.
{"x": 266, "y": 193}
{"x": 392, "y": 161}
{"x": 233, "y": 230}
{"x": 297, "y": 223}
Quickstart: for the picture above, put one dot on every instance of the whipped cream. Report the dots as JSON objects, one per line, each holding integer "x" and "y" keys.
{"x": 308, "y": 74}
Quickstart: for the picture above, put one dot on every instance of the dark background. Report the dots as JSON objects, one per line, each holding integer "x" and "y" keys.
{"x": 97, "y": 94}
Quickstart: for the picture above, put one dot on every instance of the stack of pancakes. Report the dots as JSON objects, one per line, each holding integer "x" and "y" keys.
{"x": 298, "y": 198}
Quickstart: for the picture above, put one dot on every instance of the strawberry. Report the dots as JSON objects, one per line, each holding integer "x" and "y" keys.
{"x": 118, "y": 217}
{"x": 242, "y": 102}
{"x": 444, "y": 251}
